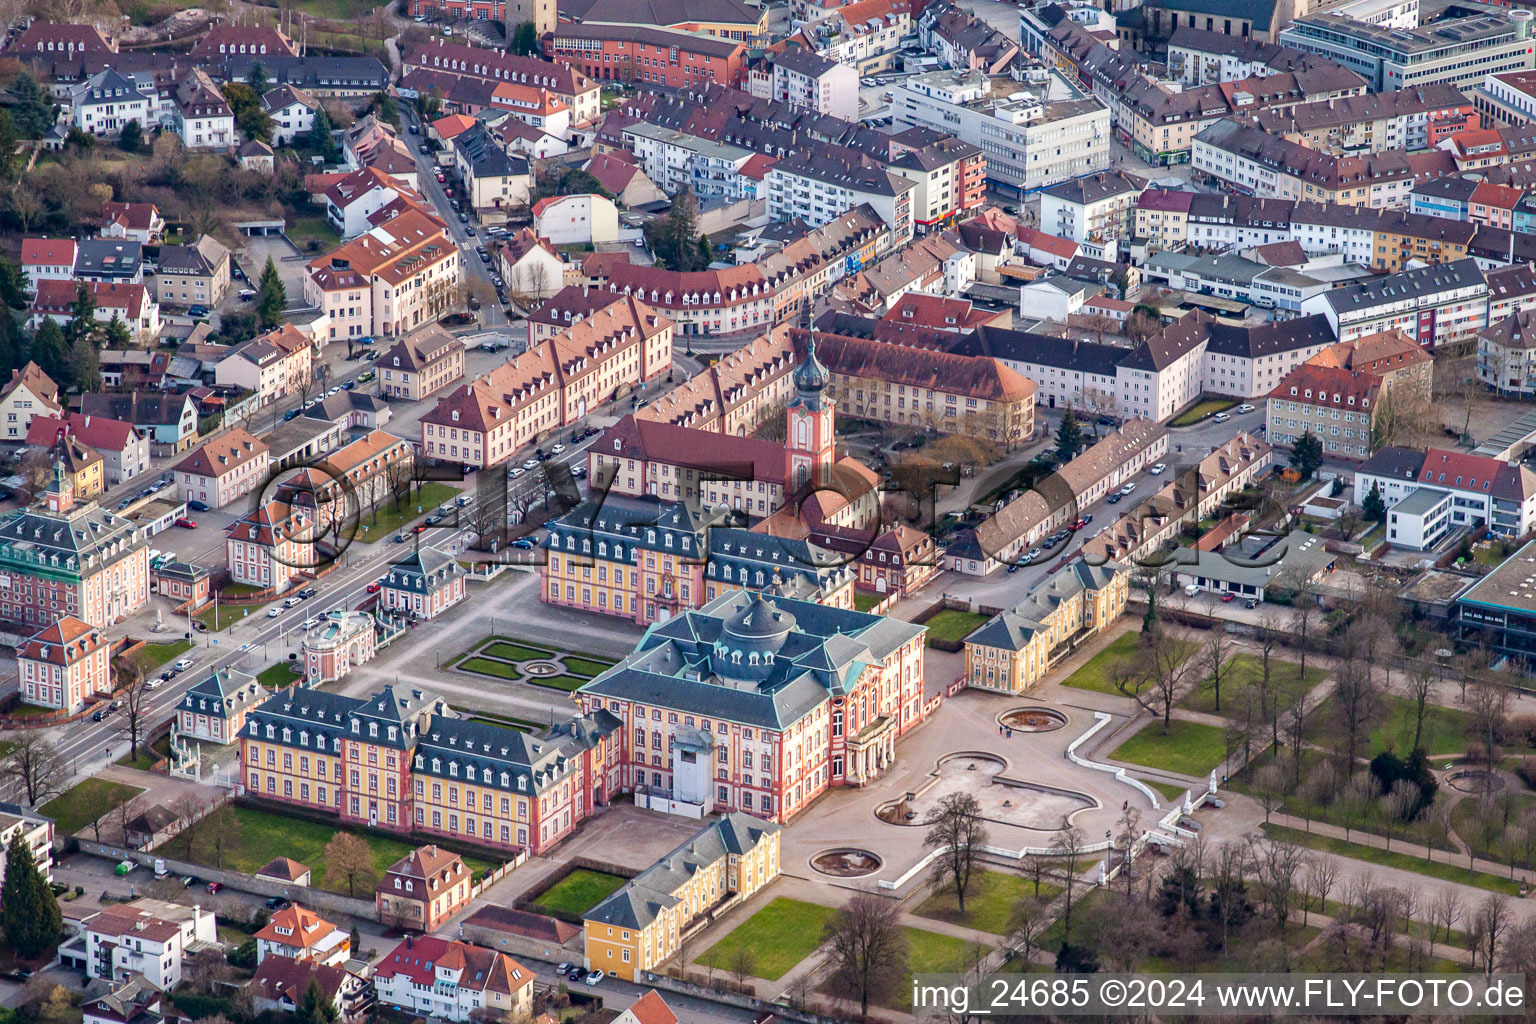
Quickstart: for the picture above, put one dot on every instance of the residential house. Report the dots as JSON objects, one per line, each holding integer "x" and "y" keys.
{"x": 124, "y": 450}
{"x": 648, "y": 1009}
{"x": 281, "y": 984}
{"x": 35, "y": 830}
{"x": 493, "y": 178}
{"x": 147, "y": 937}
{"x": 269, "y": 547}
{"x": 352, "y": 198}
{"x": 1313, "y": 399}
{"x": 203, "y": 118}
{"x": 82, "y": 466}
{"x": 48, "y": 259}
{"x": 292, "y": 111}
{"x": 531, "y": 266}
{"x": 1483, "y": 491}
{"x": 186, "y": 584}
{"x": 103, "y": 104}
{"x": 452, "y": 980}
{"x": 423, "y": 890}
{"x": 1506, "y": 355}
{"x": 582, "y": 219}
{"x": 63, "y": 665}
{"x": 400, "y": 275}
{"x": 224, "y": 469}
{"x": 622, "y": 176}
{"x": 169, "y": 421}
{"x": 229, "y": 40}
{"x": 28, "y": 394}
{"x": 272, "y": 365}
{"x": 193, "y": 275}
{"x": 1434, "y": 305}
{"x": 126, "y": 302}
{"x": 420, "y": 364}
{"x": 301, "y": 934}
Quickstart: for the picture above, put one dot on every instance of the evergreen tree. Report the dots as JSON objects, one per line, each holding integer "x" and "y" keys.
{"x": 1307, "y": 454}
{"x": 85, "y": 364}
{"x": 82, "y": 315}
{"x": 51, "y": 352}
{"x": 1069, "y": 437}
{"x": 321, "y": 138}
{"x": 1374, "y": 508}
{"x": 316, "y": 1008}
{"x": 33, "y": 111}
{"x": 117, "y": 333}
{"x": 525, "y": 39}
{"x": 77, "y": 139}
{"x": 9, "y": 141}
{"x": 28, "y": 912}
{"x": 131, "y": 139}
{"x": 13, "y": 284}
{"x": 385, "y": 109}
{"x": 675, "y": 238}
{"x": 271, "y": 297}
{"x": 257, "y": 79}
{"x": 12, "y": 344}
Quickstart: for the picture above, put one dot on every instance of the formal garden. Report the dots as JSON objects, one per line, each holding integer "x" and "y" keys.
{"x": 525, "y": 661}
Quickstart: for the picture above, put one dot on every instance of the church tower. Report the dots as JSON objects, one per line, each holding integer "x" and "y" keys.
{"x": 808, "y": 437}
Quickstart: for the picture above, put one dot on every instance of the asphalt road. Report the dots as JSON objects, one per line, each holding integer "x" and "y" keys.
{"x": 491, "y": 314}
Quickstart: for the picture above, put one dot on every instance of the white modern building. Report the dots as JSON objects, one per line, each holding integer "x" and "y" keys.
{"x": 1434, "y": 305}
{"x": 1483, "y": 491}
{"x": 808, "y": 80}
{"x": 147, "y": 937}
{"x": 1030, "y": 139}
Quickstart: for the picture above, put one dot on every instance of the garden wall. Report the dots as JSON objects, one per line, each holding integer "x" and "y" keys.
{"x": 315, "y": 899}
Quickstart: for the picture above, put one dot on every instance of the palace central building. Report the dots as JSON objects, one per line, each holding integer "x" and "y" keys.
{"x": 761, "y": 704}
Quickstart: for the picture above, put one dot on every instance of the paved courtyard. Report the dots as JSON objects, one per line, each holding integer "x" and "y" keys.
{"x": 965, "y": 723}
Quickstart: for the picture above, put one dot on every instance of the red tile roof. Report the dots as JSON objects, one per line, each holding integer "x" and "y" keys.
{"x": 687, "y": 446}
{"x": 652, "y": 1009}
{"x": 224, "y": 454}
{"x": 483, "y": 969}
{"x": 48, "y": 252}
{"x": 99, "y": 432}
{"x": 63, "y": 643}
{"x": 1332, "y": 387}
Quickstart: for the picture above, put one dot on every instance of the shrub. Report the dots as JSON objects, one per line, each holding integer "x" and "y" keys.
{"x": 1477, "y": 752}
{"x": 1527, "y": 772}
{"x": 1518, "y": 731}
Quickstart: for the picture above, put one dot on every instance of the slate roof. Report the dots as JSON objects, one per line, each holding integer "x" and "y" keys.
{"x": 635, "y": 904}
{"x": 1013, "y": 628}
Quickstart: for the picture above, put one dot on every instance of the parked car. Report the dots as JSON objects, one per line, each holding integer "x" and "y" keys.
{"x": 98, "y": 716}
{"x": 594, "y": 977}
{"x": 276, "y": 903}
{"x": 563, "y": 967}
{"x": 274, "y": 611}
{"x": 576, "y": 973}
{"x": 1128, "y": 488}
{"x": 186, "y": 524}
{"x": 1155, "y": 470}
{"x": 1245, "y": 407}
{"x": 1228, "y": 597}
{"x": 1221, "y": 417}
{"x": 531, "y": 464}
{"x": 1252, "y": 602}
{"x": 196, "y": 311}
{"x": 441, "y": 177}
{"x": 188, "y": 881}
{"x": 556, "y": 449}
{"x": 182, "y": 664}
{"x": 366, "y": 376}
{"x": 307, "y": 593}
{"x": 247, "y": 294}
{"x": 434, "y": 519}
{"x": 214, "y": 887}
{"x": 197, "y": 506}
{"x": 515, "y": 472}
{"x": 1114, "y": 499}
{"x": 426, "y": 150}
{"x": 373, "y": 588}
{"x": 402, "y": 537}
{"x": 523, "y": 544}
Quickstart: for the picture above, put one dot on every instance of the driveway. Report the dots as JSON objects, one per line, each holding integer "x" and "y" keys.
{"x": 285, "y": 255}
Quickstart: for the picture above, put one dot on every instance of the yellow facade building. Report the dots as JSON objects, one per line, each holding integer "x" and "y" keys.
{"x": 639, "y": 926}
{"x": 1017, "y": 647}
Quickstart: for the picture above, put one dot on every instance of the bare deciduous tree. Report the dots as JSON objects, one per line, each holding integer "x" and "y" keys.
{"x": 36, "y": 766}
{"x": 956, "y": 834}
{"x": 1321, "y": 876}
{"x": 1068, "y": 845}
{"x": 866, "y": 949}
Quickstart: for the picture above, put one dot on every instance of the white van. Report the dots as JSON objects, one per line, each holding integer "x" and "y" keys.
{"x": 1192, "y": 589}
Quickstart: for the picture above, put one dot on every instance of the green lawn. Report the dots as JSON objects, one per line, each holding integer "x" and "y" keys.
{"x": 151, "y": 656}
{"x": 579, "y": 891}
{"x": 988, "y": 904}
{"x": 863, "y": 601}
{"x": 238, "y": 590}
{"x": 29, "y": 711}
{"x": 780, "y": 935}
{"x": 1246, "y": 671}
{"x": 1446, "y": 730}
{"x": 1099, "y": 673}
{"x": 277, "y": 676}
{"x": 932, "y": 953}
{"x": 953, "y": 625}
{"x": 568, "y": 683}
{"x": 260, "y": 837}
{"x": 1508, "y": 809}
{"x": 228, "y": 614}
{"x": 1200, "y": 410}
{"x": 148, "y": 755}
{"x": 1167, "y": 789}
{"x": 1395, "y": 859}
{"x": 586, "y": 666}
{"x": 486, "y": 667}
{"x": 76, "y": 808}
{"x": 301, "y": 230}
{"x": 390, "y": 517}
{"x": 1190, "y": 748}
{"x": 516, "y": 652}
